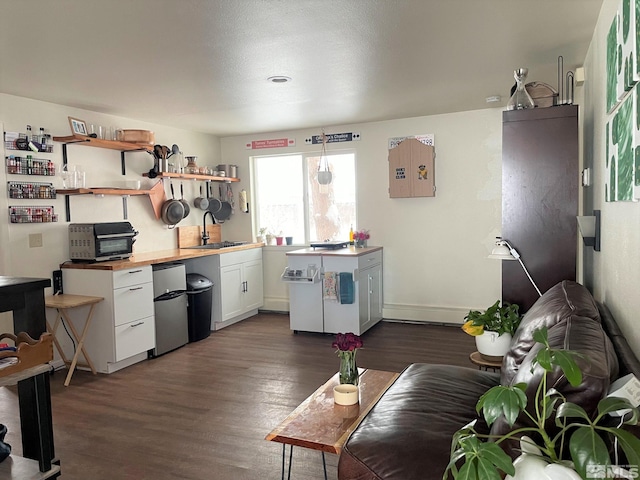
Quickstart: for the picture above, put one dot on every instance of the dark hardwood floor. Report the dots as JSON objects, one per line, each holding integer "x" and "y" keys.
{"x": 202, "y": 411}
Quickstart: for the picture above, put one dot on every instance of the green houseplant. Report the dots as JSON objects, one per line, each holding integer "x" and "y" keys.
{"x": 493, "y": 328}
{"x": 484, "y": 459}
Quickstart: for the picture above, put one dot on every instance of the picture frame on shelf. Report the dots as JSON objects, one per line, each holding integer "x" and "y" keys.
{"x": 78, "y": 127}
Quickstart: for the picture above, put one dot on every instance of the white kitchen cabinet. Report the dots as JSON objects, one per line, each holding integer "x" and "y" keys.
{"x": 239, "y": 287}
{"x": 123, "y": 325}
{"x": 310, "y": 311}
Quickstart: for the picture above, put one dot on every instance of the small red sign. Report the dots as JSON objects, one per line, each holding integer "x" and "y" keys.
{"x": 273, "y": 143}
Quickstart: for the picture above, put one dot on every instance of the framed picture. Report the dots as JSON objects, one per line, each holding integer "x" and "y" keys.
{"x": 78, "y": 127}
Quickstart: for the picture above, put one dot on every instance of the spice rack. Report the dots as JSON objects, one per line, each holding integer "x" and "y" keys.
{"x": 30, "y": 166}
{"x": 32, "y": 214}
{"x": 31, "y": 190}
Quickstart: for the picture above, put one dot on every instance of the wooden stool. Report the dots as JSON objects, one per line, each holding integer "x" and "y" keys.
{"x": 484, "y": 364}
{"x": 63, "y": 303}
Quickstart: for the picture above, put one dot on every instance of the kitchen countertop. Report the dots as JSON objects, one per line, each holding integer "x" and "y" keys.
{"x": 160, "y": 256}
{"x": 350, "y": 251}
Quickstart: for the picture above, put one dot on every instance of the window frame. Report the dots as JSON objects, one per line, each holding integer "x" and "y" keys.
{"x": 304, "y": 156}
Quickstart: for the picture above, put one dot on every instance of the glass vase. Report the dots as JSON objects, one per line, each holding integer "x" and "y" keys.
{"x": 348, "y": 367}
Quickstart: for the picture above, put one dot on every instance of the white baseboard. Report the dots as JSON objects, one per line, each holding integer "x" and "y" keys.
{"x": 412, "y": 313}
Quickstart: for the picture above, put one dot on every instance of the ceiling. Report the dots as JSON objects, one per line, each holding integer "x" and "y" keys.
{"x": 203, "y": 64}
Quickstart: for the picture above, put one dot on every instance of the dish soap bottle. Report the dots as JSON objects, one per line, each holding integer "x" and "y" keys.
{"x": 351, "y": 235}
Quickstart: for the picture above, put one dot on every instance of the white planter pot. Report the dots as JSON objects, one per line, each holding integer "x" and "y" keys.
{"x": 493, "y": 346}
{"x": 531, "y": 466}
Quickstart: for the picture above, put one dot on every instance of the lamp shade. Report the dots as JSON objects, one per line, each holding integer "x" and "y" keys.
{"x": 501, "y": 252}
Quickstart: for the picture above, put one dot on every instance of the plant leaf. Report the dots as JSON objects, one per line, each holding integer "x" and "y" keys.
{"x": 540, "y": 336}
{"x": 566, "y": 361}
{"x": 587, "y": 448}
{"x": 543, "y": 358}
{"x": 502, "y": 400}
{"x": 468, "y": 471}
{"x": 630, "y": 445}
{"x": 571, "y": 410}
{"x": 612, "y": 404}
{"x": 492, "y": 453}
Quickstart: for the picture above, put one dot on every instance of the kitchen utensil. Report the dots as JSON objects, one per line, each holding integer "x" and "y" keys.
{"x": 225, "y": 210}
{"x": 201, "y": 202}
{"x": 214, "y": 204}
{"x": 185, "y": 204}
{"x": 172, "y": 210}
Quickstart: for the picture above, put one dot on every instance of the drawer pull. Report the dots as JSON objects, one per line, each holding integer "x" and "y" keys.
{"x": 137, "y": 324}
{"x": 134, "y": 271}
{"x": 136, "y": 288}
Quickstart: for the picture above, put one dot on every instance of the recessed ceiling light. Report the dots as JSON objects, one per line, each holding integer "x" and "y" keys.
{"x": 279, "y": 79}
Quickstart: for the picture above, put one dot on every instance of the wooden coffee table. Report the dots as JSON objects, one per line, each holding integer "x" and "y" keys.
{"x": 320, "y": 424}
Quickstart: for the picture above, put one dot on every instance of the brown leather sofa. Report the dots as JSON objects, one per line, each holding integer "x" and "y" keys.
{"x": 407, "y": 435}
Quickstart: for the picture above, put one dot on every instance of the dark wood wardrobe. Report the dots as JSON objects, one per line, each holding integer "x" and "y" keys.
{"x": 540, "y": 180}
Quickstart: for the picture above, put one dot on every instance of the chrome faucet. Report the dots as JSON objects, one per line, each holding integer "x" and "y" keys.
{"x": 205, "y": 235}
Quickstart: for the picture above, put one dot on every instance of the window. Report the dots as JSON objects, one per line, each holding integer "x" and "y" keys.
{"x": 290, "y": 201}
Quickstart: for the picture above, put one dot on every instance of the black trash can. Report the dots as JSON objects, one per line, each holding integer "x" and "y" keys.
{"x": 199, "y": 295}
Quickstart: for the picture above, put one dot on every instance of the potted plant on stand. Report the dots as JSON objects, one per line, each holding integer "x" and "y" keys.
{"x": 493, "y": 328}
{"x": 575, "y": 449}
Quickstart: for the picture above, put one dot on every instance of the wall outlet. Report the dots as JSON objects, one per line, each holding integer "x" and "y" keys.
{"x": 35, "y": 240}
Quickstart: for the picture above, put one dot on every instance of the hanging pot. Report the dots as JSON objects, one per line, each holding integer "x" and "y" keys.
{"x": 225, "y": 209}
{"x": 172, "y": 210}
{"x": 185, "y": 204}
{"x": 201, "y": 202}
{"x": 214, "y": 203}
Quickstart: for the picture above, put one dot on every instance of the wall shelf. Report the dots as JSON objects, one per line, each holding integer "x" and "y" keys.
{"x": 122, "y": 147}
{"x": 97, "y": 142}
{"x": 156, "y": 196}
{"x": 195, "y": 176}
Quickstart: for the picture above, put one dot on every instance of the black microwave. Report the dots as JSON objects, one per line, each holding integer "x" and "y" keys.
{"x": 99, "y": 242}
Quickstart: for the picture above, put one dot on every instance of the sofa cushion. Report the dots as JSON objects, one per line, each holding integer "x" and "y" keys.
{"x": 599, "y": 367}
{"x": 560, "y": 302}
{"x": 408, "y": 432}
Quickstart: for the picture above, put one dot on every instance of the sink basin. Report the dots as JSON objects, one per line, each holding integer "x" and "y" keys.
{"x": 216, "y": 245}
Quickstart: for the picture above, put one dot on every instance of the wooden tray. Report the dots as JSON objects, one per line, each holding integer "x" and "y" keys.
{"x": 29, "y": 352}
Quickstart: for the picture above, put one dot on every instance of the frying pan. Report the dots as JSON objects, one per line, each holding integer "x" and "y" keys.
{"x": 225, "y": 209}
{"x": 172, "y": 210}
{"x": 184, "y": 203}
{"x": 214, "y": 204}
{"x": 201, "y": 202}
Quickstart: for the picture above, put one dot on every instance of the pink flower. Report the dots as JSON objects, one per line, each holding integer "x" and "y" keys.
{"x": 361, "y": 235}
{"x": 347, "y": 342}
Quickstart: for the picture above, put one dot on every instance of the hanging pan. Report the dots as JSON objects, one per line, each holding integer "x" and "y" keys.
{"x": 225, "y": 210}
{"x": 172, "y": 210}
{"x": 201, "y": 202}
{"x": 185, "y": 204}
{"x": 214, "y": 203}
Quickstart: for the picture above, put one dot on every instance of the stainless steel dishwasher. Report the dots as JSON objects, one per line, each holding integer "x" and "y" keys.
{"x": 170, "y": 304}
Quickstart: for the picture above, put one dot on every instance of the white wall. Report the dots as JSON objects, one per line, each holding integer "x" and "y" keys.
{"x": 102, "y": 167}
{"x": 435, "y": 249}
{"x": 613, "y": 274}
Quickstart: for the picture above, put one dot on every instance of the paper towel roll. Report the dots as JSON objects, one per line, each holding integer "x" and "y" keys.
{"x": 244, "y": 204}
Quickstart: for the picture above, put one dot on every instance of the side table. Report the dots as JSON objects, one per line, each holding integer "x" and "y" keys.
{"x": 63, "y": 303}
{"x": 484, "y": 364}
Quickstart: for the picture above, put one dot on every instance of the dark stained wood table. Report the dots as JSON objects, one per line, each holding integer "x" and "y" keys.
{"x": 320, "y": 424}
{"x": 25, "y": 298}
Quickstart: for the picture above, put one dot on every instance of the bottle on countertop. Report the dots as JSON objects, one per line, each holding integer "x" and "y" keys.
{"x": 351, "y": 242}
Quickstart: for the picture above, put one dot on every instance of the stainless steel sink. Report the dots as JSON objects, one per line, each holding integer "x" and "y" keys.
{"x": 216, "y": 245}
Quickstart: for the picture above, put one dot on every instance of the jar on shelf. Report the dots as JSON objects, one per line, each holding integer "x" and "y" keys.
{"x": 191, "y": 167}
